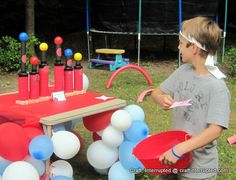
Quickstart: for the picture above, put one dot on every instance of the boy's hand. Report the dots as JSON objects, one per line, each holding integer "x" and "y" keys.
{"x": 168, "y": 158}
{"x": 165, "y": 101}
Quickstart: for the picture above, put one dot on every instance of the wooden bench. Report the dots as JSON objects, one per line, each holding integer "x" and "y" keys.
{"x": 114, "y": 64}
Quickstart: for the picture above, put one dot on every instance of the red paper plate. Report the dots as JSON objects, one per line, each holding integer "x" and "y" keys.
{"x": 149, "y": 150}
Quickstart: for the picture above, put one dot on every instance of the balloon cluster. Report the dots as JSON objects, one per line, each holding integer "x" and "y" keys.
{"x": 115, "y": 134}
{"x": 24, "y": 150}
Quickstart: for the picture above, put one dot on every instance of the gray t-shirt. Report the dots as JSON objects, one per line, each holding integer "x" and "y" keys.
{"x": 210, "y": 99}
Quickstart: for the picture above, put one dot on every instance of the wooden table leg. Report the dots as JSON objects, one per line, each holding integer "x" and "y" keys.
{"x": 47, "y": 131}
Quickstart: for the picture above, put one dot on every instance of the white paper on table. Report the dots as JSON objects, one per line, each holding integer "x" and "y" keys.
{"x": 181, "y": 103}
{"x": 58, "y": 96}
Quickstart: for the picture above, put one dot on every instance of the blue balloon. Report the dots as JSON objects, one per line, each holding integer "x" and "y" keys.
{"x": 68, "y": 52}
{"x": 118, "y": 172}
{"x": 3, "y": 165}
{"x": 137, "y": 131}
{"x": 127, "y": 159}
{"x": 62, "y": 178}
{"x": 23, "y": 37}
{"x": 41, "y": 147}
{"x": 136, "y": 112}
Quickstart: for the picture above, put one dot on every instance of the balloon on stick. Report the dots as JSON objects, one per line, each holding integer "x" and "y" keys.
{"x": 78, "y": 72}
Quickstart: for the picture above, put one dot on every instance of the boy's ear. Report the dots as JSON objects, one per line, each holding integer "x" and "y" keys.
{"x": 195, "y": 49}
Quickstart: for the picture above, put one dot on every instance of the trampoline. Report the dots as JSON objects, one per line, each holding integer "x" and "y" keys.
{"x": 146, "y": 17}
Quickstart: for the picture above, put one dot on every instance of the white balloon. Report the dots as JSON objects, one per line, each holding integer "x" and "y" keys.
{"x": 121, "y": 120}
{"x": 101, "y": 156}
{"x": 61, "y": 168}
{"x": 37, "y": 164}
{"x": 20, "y": 170}
{"x": 85, "y": 82}
{"x": 66, "y": 144}
{"x": 112, "y": 137}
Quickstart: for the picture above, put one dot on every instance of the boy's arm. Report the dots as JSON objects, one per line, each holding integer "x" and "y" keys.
{"x": 205, "y": 137}
{"x": 164, "y": 100}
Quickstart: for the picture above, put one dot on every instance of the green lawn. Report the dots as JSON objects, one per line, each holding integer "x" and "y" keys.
{"x": 128, "y": 85}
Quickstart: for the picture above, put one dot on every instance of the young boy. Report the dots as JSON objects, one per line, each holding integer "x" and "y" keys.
{"x": 202, "y": 82}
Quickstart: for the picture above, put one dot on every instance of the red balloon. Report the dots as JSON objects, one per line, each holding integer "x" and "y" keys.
{"x": 80, "y": 139}
{"x": 14, "y": 142}
{"x": 99, "y": 121}
{"x": 32, "y": 132}
{"x": 96, "y": 137}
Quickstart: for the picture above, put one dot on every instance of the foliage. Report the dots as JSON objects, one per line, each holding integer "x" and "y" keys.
{"x": 10, "y": 52}
{"x": 230, "y": 57}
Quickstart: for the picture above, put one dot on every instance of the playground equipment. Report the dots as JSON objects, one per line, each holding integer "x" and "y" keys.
{"x": 117, "y": 61}
{"x": 143, "y": 94}
{"x": 141, "y": 70}
{"x": 162, "y": 18}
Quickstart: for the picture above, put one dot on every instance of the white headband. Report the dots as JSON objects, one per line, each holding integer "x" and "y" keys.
{"x": 210, "y": 60}
{"x": 193, "y": 40}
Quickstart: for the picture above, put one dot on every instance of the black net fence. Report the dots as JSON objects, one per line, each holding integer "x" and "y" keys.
{"x": 158, "y": 16}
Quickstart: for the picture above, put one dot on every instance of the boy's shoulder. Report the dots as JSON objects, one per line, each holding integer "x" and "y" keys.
{"x": 185, "y": 67}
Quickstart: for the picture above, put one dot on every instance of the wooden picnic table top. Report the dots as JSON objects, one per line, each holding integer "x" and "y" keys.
{"x": 110, "y": 51}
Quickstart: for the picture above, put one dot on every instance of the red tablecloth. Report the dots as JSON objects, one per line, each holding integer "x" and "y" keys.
{"x": 29, "y": 115}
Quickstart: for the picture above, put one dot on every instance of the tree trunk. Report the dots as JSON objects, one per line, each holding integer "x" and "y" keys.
{"x": 30, "y": 19}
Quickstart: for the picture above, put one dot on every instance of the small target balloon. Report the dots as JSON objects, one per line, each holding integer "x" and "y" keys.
{"x": 34, "y": 60}
{"x": 78, "y": 56}
{"x": 58, "y": 40}
{"x": 68, "y": 52}
{"x": 43, "y": 46}
{"x": 23, "y": 36}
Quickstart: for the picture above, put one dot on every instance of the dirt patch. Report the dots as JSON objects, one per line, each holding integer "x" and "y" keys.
{"x": 8, "y": 82}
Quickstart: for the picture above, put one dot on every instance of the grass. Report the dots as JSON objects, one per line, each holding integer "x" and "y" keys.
{"x": 128, "y": 85}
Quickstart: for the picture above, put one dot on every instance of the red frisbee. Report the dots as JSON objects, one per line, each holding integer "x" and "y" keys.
{"x": 149, "y": 150}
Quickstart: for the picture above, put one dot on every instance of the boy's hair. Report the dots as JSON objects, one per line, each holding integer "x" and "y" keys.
{"x": 205, "y": 31}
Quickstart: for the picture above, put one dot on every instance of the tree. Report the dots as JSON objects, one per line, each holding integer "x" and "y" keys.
{"x": 30, "y": 19}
